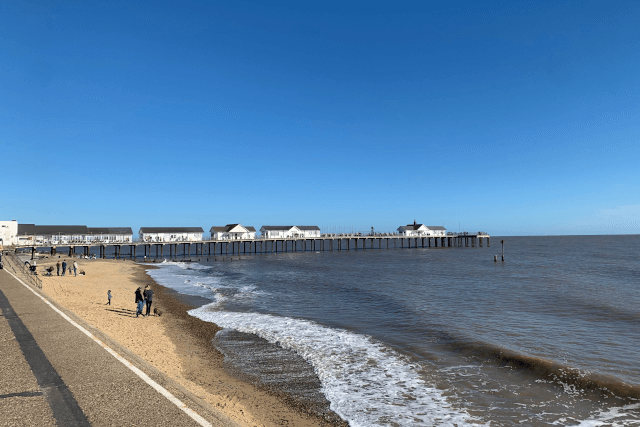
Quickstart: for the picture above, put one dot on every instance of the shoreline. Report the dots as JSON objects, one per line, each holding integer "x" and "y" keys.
{"x": 177, "y": 344}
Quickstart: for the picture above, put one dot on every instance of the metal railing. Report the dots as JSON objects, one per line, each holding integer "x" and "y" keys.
{"x": 18, "y": 267}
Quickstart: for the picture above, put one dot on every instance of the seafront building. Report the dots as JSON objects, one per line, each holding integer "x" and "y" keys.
{"x": 171, "y": 234}
{"x": 309, "y": 230}
{"x": 420, "y": 230}
{"x": 28, "y": 234}
{"x": 289, "y": 231}
{"x": 232, "y": 232}
{"x": 8, "y": 233}
{"x": 109, "y": 235}
{"x": 279, "y": 231}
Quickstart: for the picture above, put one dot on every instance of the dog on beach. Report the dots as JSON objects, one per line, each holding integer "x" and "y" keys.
{"x": 157, "y": 312}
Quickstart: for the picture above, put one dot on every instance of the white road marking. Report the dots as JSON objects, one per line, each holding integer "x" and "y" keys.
{"x": 163, "y": 391}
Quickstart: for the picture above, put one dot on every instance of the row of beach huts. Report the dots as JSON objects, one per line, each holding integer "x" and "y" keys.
{"x": 14, "y": 234}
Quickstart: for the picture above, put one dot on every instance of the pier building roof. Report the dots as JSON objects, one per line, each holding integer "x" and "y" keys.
{"x": 435, "y": 227}
{"x": 413, "y": 226}
{"x": 171, "y": 230}
{"x": 230, "y": 227}
{"x": 44, "y": 230}
{"x": 277, "y": 227}
{"x": 26, "y": 229}
{"x": 110, "y": 230}
{"x": 308, "y": 227}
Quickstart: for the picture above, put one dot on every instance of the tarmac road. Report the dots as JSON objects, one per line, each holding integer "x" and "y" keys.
{"x": 52, "y": 373}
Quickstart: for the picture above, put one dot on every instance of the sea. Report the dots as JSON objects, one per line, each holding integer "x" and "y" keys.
{"x": 434, "y": 336}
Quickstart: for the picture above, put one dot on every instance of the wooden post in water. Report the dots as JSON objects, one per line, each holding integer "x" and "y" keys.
{"x": 502, "y": 241}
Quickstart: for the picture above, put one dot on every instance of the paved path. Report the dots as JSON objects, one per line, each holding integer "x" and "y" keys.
{"x": 52, "y": 373}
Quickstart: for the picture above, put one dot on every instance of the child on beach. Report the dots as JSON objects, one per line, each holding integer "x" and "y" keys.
{"x": 109, "y": 297}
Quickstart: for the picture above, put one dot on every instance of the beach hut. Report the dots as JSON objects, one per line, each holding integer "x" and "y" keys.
{"x": 308, "y": 230}
{"x": 97, "y": 235}
{"x": 232, "y": 232}
{"x": 170, "y": 234}
{"x": 279, "y": 231}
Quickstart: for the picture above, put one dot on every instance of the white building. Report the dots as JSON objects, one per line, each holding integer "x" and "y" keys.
{"x": 308, "y": 230}
{"x": 421, "y": 230}
{"x": 8, "y": 233}
{"x": 413, "y": 230}
{"x": 232, "y": 232}
{"x": 50, "y": 235}
{"x": 437, "y": 230}
{"x": 100, "y": 235}
{"x": 279, "y": 231}
{"x": 170, "y": 234}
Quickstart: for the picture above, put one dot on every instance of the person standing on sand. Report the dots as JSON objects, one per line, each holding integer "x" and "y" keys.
{"x": 64, "y": 266}
{"x": 58, "y": 267}
{"x": 148, "y": 296}
{"x": 109, "y": 297}
{"x": 139, "y": 302}
{"x": 75, "y": 268}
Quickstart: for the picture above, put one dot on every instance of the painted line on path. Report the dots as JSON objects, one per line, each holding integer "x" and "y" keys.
{"x": 64, "y": 407}
{"x": 163, "y": 391}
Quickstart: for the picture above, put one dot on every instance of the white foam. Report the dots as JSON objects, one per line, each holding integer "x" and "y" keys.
{"x": 184, "y": 265}
{"x": 366, "y": 382}
{"x": 612, "y": 417}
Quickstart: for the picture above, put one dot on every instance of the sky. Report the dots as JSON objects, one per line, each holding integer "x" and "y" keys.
{"x": 513, "y": 118}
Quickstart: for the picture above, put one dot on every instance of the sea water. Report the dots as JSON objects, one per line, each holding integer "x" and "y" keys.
{"x": 443, "y": 336}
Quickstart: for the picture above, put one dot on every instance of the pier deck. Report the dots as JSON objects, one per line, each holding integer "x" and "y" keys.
{"x": 327, "y": 242}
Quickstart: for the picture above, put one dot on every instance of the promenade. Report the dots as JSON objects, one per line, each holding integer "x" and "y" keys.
{"x": 56, "y": 369}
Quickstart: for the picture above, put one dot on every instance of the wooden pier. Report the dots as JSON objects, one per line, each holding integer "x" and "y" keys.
{"x": 328, "y": 242}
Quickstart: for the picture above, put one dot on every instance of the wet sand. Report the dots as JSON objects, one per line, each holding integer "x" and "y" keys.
{"x": 177, "y": 344}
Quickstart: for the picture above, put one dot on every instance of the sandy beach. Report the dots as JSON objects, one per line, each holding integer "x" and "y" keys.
{"x": 175, "y": 343}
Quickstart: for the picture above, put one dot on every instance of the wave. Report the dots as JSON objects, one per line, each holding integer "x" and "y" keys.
{"x": 572, "y": 379}
{"x": 366, "y": 382}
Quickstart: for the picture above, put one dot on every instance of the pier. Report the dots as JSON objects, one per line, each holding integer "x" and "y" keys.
{"x": 326, "y": 242}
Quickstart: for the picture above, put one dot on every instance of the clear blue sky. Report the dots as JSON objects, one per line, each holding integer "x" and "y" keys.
{"x": 514, "y": 118}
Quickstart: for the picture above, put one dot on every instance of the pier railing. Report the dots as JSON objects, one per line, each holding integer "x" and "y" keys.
{"x": 47, "y": 244}
{"x": 19, "y": 268}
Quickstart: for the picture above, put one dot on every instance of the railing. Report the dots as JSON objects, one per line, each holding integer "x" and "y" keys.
{"x": 18, "y": 267}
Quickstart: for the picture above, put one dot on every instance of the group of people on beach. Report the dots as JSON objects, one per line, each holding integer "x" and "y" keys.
{"x": 64, "y": 267}
{"x": 142, "y": 298}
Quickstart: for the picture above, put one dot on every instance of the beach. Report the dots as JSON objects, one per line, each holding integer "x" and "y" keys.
{"x": 176, "y": 343}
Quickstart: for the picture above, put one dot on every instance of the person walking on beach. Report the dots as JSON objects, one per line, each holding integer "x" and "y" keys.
{"x": 109, "y": 297}
{"x": 64, "y": 266}
{"x": 58, "y": 267}
{"x": 148, "y": 296}
{"x": 139, "y": 302}
{"x": 75, "y": 268}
